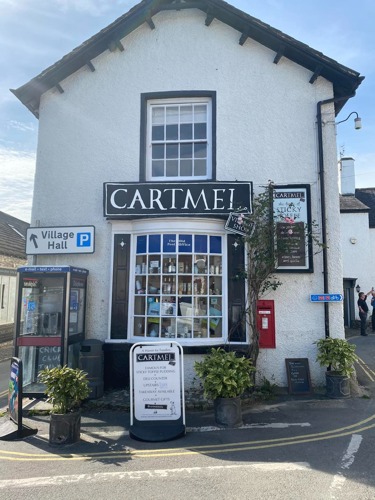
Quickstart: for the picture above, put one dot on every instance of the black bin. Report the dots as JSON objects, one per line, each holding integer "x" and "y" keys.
{"x": 91, "y": 361}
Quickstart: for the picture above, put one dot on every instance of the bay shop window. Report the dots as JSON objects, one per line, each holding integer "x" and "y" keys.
{"x": 174, "y": 284}
{"x": 178, "y": 286}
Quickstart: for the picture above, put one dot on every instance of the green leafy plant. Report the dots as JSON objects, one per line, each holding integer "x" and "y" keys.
{"x": 66, "y": 387}
{"x": 265, "y": 391}
{"x": 338, "y": 354}
{"x": 224, "y": 374}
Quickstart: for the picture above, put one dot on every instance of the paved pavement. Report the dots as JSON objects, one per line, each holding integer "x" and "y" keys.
{"x": 109, "y": 418}
{"x": 6, "y": 350}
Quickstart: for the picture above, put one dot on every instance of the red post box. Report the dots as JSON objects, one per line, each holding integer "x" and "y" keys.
{"x": 266, "y": 323}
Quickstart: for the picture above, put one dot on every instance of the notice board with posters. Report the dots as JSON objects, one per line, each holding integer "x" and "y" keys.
{"x": 292, "y": 216}
{"x": 157, "y": 404}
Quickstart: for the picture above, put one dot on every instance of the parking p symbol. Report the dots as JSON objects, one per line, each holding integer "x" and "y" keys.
{"x": 83, "y": 239}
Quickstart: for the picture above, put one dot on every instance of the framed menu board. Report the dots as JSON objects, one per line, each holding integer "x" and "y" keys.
{"x": 292, "y": 215}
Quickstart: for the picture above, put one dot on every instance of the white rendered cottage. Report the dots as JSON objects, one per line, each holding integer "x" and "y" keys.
{"x": 183, "y": 111}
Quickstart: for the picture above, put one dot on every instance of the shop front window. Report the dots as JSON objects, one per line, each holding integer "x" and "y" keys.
{"x": 178, "y": 286}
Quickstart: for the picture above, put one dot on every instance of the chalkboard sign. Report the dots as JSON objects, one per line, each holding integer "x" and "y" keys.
{"x": 298, "y": 372}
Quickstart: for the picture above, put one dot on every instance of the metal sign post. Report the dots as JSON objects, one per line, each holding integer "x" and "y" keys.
{"x": 157, "y": 403}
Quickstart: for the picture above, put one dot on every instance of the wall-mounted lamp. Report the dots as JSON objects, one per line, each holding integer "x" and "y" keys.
{"x": 358, "y": 288}
{"x": 357, "y": 120}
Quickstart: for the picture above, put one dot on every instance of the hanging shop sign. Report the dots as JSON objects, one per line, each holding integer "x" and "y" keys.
{"x": 131, "y": 200}
{"x": 59, "y": 240}
{"x": 239, "y": 223}
{"x": 292, "y": 215}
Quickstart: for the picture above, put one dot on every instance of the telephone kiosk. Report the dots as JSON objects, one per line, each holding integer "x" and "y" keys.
{"x": 50, "y": 320}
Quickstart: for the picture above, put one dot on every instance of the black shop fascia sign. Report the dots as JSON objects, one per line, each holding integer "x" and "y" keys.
{"x": 205, "y": 199}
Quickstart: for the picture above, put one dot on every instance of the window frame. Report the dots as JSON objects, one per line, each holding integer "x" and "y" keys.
{"x": 177, "y": 97}
{"x": 196, "y": 227}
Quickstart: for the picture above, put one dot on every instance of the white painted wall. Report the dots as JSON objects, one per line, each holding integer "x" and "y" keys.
{"x": 266, "y": 130}
{"x": 357, "y": 257}
{"x": 7, "y": 298}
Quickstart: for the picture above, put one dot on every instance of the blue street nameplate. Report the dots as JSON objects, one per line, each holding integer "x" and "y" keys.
{"x": 326, "y": 297}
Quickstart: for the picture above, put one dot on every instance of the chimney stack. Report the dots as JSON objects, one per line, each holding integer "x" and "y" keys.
{"x": 347, "y": 176}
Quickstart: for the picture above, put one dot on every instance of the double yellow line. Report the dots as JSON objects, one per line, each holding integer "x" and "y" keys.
{"x": 366, "y": 369}
{"x": 131, "y": 454}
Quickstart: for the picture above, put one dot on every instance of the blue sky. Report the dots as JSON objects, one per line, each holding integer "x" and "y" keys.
{"x": 36, "y": 33}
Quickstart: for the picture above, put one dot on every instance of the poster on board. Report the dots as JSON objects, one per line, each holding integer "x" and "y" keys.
{"x": 13, "y": 429}
{"x": 292, "y": 216}
{"x": 157, "y": 403}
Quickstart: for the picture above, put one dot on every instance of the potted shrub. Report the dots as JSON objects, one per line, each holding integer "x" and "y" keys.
{"x": 339, "y": 356}
{"x": 225, "y": 377}
{"x": 65, "y": 389}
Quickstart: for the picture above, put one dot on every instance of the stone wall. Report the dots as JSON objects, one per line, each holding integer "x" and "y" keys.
{"x": 6, "y": 332}
{"x": 11, "y": 262}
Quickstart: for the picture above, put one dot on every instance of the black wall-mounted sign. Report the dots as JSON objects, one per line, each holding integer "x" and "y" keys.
{"x": 298, "y": 372}
{"x": 292, "y": 216}
{"x": 132, "y": 200}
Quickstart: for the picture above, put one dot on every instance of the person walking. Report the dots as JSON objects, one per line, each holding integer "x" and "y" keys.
{"x": 363, "y": 311}
{"x": 373, "y": 309}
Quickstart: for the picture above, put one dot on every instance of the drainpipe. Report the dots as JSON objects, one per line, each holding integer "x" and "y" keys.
{"x": 323, "y": 200}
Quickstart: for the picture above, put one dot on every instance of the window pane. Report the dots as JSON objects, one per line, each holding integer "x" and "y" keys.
{"x": 157, "y": 151}
{"x": 158, "y": 168}
{"x": 186, "y": 168}
{"x": 158, "y": 115}
{"x": 200, "y": 150}
{"x": 186, "y": 114}
{"x": 200, "y": 131}
{"x": 141, "y": 244}
{"x": 171, "y": 168}
{"x": 171, "y": 132}
{"x": 179, "y": 132}
{"x": 200, "y": 113}
{"x": 178, "y": 286}
{"x": 139, "y": 327}
{"x": 172, "y": 115}
{"x": 172, "y": 151}
{"x": 154, "y": 243}
{"x": 200, "y": 243}
{"x": 186, "y": 132}
{"x": 169, "y": 243}
{"x": 158, "y": 133}
{"x": 200, "y": 167}
{"x": 185, "y": 243}
{"x": 186, "y": 150}
{"x": 215, "y": 244}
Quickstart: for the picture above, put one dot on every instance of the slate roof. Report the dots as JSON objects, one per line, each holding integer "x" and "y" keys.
{"x": 350, "y": 204}
{"x": 367, "y": 196}
{"x": 12, "y": 236}
{"x": 345, "y": 80}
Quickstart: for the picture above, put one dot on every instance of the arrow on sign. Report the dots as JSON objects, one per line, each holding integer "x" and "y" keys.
{"x": 33, "y": 238}
{"x": 327, "y": 297}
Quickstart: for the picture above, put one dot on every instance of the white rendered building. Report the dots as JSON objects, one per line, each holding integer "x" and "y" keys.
{"x": 153, "y": 131}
